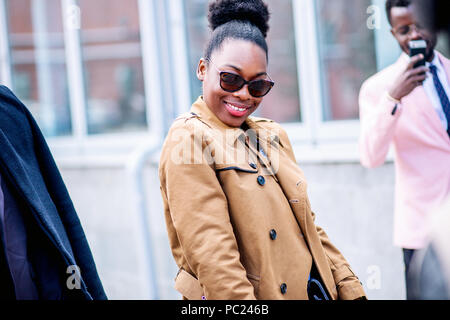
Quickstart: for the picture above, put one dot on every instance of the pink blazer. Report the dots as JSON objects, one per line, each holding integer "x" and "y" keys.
{"x": 421, "y": 149}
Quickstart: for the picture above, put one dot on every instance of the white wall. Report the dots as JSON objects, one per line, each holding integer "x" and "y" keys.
{"x": 354, "y": 206}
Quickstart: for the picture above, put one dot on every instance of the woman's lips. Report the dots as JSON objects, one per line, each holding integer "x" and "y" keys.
{"x": 235, "y": 109}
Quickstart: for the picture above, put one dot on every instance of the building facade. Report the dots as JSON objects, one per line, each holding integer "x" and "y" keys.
{"x": 106, "y": 78}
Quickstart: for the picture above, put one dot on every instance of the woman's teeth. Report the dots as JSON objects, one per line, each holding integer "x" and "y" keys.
{"x": 236, "y": 108}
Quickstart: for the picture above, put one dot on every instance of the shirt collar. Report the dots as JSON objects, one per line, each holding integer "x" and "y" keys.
{"x": 436, "y": 60}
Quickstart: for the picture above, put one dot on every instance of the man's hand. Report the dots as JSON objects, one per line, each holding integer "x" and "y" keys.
{"x": 409, "y": 79}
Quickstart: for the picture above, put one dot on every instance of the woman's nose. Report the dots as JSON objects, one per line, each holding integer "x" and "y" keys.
{"x": 243, "y": 93}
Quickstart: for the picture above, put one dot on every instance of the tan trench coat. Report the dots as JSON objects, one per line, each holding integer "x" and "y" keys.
{"x": 231, "y": 233}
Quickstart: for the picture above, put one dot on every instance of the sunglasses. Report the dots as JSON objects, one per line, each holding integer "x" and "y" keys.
{"x": 407, "y": 30}
{"x": 231, "y": 82}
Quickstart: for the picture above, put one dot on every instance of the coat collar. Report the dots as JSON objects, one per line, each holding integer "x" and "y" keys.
{"x": 201, "y": 110}
{"x": 404, "y": 59}
{"x": 419, "y": 98}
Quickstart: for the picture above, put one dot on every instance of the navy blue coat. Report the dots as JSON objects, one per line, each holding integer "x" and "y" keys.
{"x": 28, "y": 166}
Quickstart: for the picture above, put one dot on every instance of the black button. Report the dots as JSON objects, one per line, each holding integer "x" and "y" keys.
{"x": 283, "y": 288}
{"x": 273, "y": 234}
{"x": 254, "y": 166}
{"x": 261, "y": 180}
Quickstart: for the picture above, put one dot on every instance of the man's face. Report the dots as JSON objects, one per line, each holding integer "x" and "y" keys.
{"x": 406, "y": 28}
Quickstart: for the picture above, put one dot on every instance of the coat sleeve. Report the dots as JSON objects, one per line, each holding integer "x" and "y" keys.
{"x": 377, "y": 124}
{"x": 198, "y": 211}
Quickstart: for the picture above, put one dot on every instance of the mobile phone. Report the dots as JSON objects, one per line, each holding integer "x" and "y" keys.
{"x": 416, "y": 47}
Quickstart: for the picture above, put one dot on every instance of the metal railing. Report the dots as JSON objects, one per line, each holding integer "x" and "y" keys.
{"x": 135, "y": 173}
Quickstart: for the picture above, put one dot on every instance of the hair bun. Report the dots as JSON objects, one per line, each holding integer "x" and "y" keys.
{"x": 254, "y": 11}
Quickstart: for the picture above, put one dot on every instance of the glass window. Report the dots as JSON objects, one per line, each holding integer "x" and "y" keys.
{"x": 38, "y": 62}
{"x": 113, "y": 69}
{"x": 283, "y": 102}
{"x": 443, "y": 44}
{"x": 347, "y": 55}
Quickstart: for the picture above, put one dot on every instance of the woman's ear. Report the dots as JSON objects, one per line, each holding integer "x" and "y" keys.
{"x": 201, "y": 69}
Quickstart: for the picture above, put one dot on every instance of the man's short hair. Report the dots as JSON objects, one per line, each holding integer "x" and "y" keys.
{"x": 395, "y": 3}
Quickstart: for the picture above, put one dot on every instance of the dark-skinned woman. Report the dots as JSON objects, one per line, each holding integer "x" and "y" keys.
{"x": 238, "y": 216}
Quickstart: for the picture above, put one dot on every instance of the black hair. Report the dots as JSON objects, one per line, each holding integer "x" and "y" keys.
{"x": 237, "y": 19}
{"x": 395, "y": 3}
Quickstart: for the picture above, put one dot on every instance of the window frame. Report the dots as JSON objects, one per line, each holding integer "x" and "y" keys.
{"x": 5, "y": 54}
{"x": 163, "y": 34}
{"x": 321, "y": 131}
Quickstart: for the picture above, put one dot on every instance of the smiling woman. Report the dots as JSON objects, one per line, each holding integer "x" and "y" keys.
{"x": 238, "y": 48}
{"x": 283, "y": 64}
{"x": 238, "y": 216}
{"x": 237, "y": 59}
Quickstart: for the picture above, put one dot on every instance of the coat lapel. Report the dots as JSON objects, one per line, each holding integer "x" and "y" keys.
{"x": 419, "y": 106}
{"x": 419, "y": 100}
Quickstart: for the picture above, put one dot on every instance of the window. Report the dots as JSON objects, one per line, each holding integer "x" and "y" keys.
{"x": 39, "y": 76}
{"x": 319, "y": 55}
{"x": 347, "y": 55}
{"x": 443, "y": 44}
{"x": 112, "y": 98}
{"x": 113, "y": 68}
{"x": 129, "y": 68}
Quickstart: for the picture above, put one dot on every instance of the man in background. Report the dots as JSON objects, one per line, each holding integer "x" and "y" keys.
{"x": 408, "y": 107}
{"x": 429, "y": 271}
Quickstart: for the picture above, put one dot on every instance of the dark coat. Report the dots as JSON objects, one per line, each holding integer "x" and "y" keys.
{"x": 30, "y": 170}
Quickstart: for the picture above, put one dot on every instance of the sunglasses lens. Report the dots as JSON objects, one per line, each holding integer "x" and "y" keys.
{"x": 259, "y": 88}
{"x": 231, "y": 82}
{"x": 404, "y": 31}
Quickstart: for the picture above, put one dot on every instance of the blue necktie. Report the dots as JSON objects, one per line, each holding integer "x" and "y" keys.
{"x": 442, "y": 95}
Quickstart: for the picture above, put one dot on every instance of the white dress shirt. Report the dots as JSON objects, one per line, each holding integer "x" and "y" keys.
{"x": 431, "y": 91}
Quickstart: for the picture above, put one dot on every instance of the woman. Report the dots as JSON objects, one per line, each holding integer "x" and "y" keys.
{"x": 236, "y": 208}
